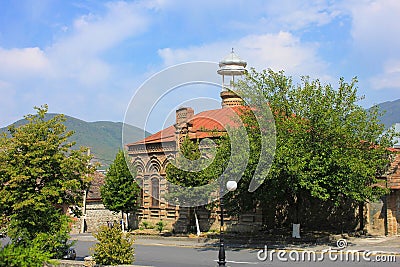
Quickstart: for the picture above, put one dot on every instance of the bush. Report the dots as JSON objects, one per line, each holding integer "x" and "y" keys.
{"x": 54, "y": 241}
{"x": 147, "y": 225}
{"x": 160, "y": 226}
{"x": 20, "y": 256}
{"x": 28, "y": 252}
{"x": 114, "y": 246}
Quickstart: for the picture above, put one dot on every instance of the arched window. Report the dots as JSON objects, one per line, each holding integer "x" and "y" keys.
{"x": 155, "y": 192}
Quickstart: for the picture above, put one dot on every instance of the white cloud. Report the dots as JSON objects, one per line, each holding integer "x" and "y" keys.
{"x": 376, "y": 41}
{"x": 70, "y": 73}
{"x": 93, "y": 34}
{"x": 295, "y": 15}
{"x": 375, "y": 27}
{"x": 256, "y": 16}
{"x": 389, "y": 78}
{"x": 80, "y": 53}
{"x": 26, "y": 61}
{"x": 281, "y": 51}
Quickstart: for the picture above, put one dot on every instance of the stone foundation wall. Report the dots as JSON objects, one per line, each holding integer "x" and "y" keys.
{"x": 376, "y": 223}
{"x": 375, "y": 219}
{"x": 97, "y": 215}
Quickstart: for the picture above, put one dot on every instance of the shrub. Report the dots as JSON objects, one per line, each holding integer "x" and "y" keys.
{"x": 114, "y": 246}
{"x": 54, "y": 241}
{"x": 147, "y": 225}
{"x": 160, "y": 226}
{"x": 56, "y": 244}
{"x": 24, "y": 251}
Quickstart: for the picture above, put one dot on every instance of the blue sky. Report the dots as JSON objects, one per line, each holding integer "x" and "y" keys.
{"x": 87, "y": 58}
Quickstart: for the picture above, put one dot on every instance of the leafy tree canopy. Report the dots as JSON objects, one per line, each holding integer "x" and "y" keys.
{"x": 120, "y": 191}
{"x": 40, "y": 174}
{"x": 327, "y": 146}
{"x": 191, "y": 173}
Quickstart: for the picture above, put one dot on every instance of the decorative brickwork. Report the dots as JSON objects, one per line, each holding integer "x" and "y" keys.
{"x": 152, "y": 155}
{"x": 384, "y": 217}
{"x": 393, "y": 199}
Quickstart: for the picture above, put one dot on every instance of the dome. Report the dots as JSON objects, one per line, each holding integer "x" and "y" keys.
{"x": 232, "y": 59}
{"x": 232, "y": 64}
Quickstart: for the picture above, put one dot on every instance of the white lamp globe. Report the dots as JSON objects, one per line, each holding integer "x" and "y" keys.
{"x": 231, "y": 185}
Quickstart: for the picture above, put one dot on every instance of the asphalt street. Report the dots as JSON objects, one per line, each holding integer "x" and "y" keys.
{"x": 186, "y": 252}
{"x": 163, "y": 254}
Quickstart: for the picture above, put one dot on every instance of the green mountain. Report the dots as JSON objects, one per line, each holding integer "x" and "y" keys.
{"x": 104, "y": 138}
{"x": 392, "y": 114}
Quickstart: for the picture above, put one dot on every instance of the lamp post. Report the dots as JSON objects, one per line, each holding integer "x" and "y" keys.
{"x": 231, "y": 186}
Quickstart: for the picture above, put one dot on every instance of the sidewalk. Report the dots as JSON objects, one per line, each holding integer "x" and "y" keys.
{"x": 381, "y": 244}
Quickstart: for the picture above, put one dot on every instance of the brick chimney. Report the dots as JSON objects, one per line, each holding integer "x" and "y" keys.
{"x": 183, "y": 115}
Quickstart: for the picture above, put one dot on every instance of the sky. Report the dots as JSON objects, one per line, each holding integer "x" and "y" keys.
{"x": 87, "y": 59}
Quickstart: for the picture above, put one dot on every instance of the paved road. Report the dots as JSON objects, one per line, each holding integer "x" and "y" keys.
{"x": 178, "y": 253}
{"x": 161, "y": 255}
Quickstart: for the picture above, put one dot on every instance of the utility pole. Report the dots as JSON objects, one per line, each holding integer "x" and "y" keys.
{"x": 84, "y": 202}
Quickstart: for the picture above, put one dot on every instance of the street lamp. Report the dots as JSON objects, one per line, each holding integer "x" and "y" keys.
{"x": 231, "y": 186}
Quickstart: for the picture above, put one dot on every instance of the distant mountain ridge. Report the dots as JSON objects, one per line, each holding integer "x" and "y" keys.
{"x": 392, "y": 114}
{"x": 104, "y": 138}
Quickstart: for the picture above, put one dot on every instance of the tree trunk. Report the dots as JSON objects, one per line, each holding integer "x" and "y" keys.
{"x": 361, "y": 215}
{"x": 127, "y": 221}
{"x": 197, "y": 223}
{"x": 122, "y": 222}
{"x": 296, "y": 224}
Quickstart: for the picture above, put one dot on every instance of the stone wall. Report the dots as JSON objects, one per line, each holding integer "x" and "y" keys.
{"x": 97, "y": 215}
{"x": 375, "y": 219}
{"x": 384, "y": 218}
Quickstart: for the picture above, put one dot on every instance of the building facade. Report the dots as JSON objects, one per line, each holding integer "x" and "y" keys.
{"x": 152, "y": 154}
{"x": 383, "y": 216}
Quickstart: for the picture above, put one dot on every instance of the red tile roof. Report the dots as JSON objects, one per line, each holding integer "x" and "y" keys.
{"x": 166, "y": 135}
{"x": 208, "y": 123}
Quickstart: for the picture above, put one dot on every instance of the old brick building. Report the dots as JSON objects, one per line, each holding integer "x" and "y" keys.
{"x": 383, "y": 216}
{"x": 152, "y": 154}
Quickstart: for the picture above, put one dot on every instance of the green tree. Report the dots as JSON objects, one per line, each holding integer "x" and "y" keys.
{"x": 39, "y": 176}
{"x": 191, "y": 174}
{"x": 120, "y": 192}
{"x": 185, "y": 175}
{"x": 327, "y": 146}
